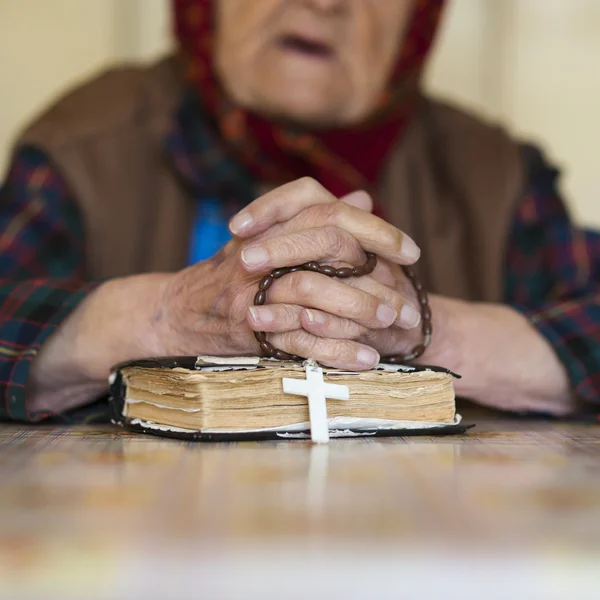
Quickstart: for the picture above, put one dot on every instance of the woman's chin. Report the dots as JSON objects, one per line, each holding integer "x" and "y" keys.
{"x": 303, "y": 107}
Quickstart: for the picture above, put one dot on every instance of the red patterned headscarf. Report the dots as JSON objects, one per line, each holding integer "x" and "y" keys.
{"x": 343, "y": 160}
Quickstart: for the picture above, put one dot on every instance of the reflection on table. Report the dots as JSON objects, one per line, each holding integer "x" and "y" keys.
{"x": 98, "y": 512}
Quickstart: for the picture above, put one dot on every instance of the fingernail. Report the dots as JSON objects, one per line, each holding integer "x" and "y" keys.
{"x": 367, "y": 357}
{"x": 314, "y": 317}
{"x": 262, "y": 314}
{"x": 240, "y": 222}
{"x": 255, "y": 256}
{"x": 410, "y": 251}
{"x": 386, "y": 315}
{"x": 410, "y": 317}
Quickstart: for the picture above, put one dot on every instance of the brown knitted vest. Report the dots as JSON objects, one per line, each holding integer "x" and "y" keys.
{"x": 451, "y": 183}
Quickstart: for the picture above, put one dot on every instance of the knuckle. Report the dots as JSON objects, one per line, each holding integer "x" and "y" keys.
{"x": 330, "y": 213}
{"x": 302, "y": 284}
{"x": 310, "y": 186}
{"x": 346, "y": 329}
{"x": 336, "y": 240}
{"x": 298, "y": 341}
{"x": 370, "y": 337}
{"x": 286, "y": 249}
{"x": 290, "y": 315}
{"x": 356, "y": 332}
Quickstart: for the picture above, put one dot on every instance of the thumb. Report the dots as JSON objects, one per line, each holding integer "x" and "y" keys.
{"x": 359, "y": 199}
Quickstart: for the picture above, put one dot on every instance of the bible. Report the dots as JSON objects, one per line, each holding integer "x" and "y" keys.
{"x": 251, "y": 398}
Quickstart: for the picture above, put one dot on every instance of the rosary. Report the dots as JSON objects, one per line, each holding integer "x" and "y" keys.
{"x": 343, "y": 273}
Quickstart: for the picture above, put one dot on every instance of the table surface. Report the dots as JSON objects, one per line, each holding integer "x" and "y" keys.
{"x": 97, "y": 511}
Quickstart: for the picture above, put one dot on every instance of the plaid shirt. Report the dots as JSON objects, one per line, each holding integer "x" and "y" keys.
{"x": 552, "y": 273}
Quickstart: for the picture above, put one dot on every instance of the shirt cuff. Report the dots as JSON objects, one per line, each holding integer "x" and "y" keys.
{"x": 41, "y": 306}
{"x": 572, "y": 328}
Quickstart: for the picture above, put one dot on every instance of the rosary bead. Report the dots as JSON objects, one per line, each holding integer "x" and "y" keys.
{"x": 327, "y": 270}
{"x": 311, "y": 266}
{"x": 370, "y": 264}
{"x": 344, "y": 272}
{"x": 267, "y": 348}
{"x": 277, "y": 273}
{"x": 265, "y": 283}
{"x": 417, "y": 351}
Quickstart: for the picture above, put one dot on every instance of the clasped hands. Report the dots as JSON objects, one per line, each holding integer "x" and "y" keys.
{"x": 341, "y": 323}
{"x": 208, "y": 309}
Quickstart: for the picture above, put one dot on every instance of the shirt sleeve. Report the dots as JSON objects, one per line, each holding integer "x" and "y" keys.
{"x": 42, "y": 270}
{"x": 553, "y": 277}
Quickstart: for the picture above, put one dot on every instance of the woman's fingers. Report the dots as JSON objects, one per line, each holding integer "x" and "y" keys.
{"x": 278, "y": 206}
{"x": 285, "y": 202}
{"x": 274, "y": 317}
{"x": 333, "y": 232}
{"x": 409, "y": 313}
{"x": 278, "y": 318}
{"x": 340, "y": 354}
{"x": 373, "y": 306}
{"x": 323, "y": 324}
{"x": 359, "y": 199}
{"x": 313, "y": 290}
{"x": 305, "y": 204}
{"x": 360, "y": 299}
{"x": 385, "y": 341}
{"x": 371, "y": 232}
{"x": 282, "y": 318}
{"x": 316, "y": 244}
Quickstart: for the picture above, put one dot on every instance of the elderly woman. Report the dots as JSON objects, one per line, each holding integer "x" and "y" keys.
{"x": 141, "y": 211}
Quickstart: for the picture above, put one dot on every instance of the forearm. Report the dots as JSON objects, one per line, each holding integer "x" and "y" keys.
{"x": 114, "y": 323}
{"x": 503, "y": 359}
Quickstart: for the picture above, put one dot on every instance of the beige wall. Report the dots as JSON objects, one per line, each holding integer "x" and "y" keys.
{"x": 48, "y": 45}
{"x": 531, "y": 63}
{"x": 535, "y": 65}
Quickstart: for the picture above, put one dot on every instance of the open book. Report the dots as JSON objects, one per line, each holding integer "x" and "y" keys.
{"x": 211, "y": 398}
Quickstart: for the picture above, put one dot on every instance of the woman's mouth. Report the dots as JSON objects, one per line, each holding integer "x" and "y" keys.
{"x": 306, "y": 47}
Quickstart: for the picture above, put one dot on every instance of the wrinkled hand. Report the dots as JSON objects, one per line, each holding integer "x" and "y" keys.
{"x": 207, "y": 308}
{"x": 204, "y": 309}
{"x": 387, "y": 282}
{"x": 504, "y": 361}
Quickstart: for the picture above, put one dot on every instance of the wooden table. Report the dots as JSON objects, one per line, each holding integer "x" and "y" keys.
{"x": 509, "y": 510}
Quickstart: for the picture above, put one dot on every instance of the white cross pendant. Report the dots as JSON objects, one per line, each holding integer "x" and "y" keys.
{"x": 317, "y": 391}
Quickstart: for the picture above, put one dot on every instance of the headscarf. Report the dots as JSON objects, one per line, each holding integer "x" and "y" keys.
{"x": 276, "y": 153}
